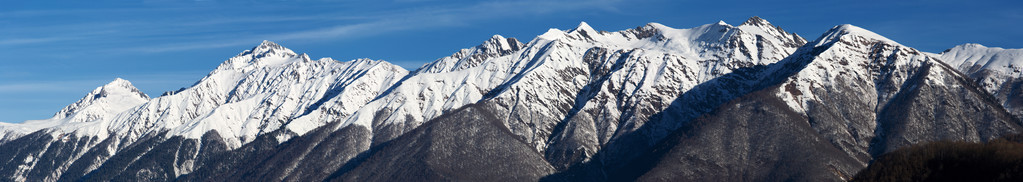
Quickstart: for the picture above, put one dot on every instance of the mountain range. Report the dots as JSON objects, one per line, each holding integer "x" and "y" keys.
{"x": 717, "y": 102}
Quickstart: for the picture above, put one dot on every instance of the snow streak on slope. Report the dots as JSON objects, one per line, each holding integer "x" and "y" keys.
{"x": 997, "y": 70}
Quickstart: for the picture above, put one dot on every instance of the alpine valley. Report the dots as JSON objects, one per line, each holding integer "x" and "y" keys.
{"x": 718, "y": 102}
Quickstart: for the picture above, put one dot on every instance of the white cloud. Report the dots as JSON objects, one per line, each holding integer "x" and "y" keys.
{"x": 183, "y": 34}
{"x": 20, "y": 41}
{"x": 46, "y": 86}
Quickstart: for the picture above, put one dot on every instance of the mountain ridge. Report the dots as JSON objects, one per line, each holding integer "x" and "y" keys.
{"x": 578, "y": 104}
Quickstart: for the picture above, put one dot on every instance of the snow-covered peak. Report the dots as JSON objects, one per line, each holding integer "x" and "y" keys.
{"x": 761, "y": 24}
{"x": 847, "y": 31}
{"x": 972, "y": 46}
{"x": 756, "y": 21}
{"x": 499, "y": 43}
{"x": 496, "y": 46}
{"x": 266, "y": 54}
{"x": 972, "y": 57}
{"x": 583, "y": 27}
{"x": 551, "y": 34}
{"x": 655, "y": 26}
{"x": 270, "y": 47}
{"x": 104, "y": 101}
{"x": 722, "y": 22}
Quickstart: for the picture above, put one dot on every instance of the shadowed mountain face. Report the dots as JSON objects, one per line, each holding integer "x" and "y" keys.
{"x": 910, "y": 99}
{"x": 821, "y": 114}
{"x": 468, "y": 144}
{"x": 998, "y": 160}
{"x": 712, "y": 103}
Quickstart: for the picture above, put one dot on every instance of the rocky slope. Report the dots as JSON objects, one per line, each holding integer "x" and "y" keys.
{"x": 853, "y": 95}
{"x": 994, "y": 69}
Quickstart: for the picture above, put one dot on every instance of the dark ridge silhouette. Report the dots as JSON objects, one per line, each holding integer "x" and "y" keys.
{"x": 997, "y": 160}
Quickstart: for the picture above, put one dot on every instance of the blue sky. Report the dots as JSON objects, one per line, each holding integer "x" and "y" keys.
{"x": 55, "y": 51}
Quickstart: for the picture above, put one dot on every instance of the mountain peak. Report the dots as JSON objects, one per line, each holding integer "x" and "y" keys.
{"x": 655, "y": 25}
{"x": 494, "y": 40}
{"x": 268, "y": 43}
{"x": 755, "y": 21}
{"x": 497, "y": 45}
{"x": 267, "y": 53}
{"x": 120, "y": 84}
{"x": 584, "y": 27}
{"x": 270, "y": 47}
{"x": 500, "y": 44}
{"x": 846, "y": 30}
{"x": 966, "y": 46}
{"x": 972, "y": 45}
{"x": 117, "y": 95}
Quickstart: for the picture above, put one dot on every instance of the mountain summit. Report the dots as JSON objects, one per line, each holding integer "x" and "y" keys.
{"x": 105, "y": 101}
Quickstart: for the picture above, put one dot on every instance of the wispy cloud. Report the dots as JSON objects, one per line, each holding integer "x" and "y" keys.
{"x": 151, "y": 83}
{"x": 21, "y": 41}
{"x": 190, "y": 33}
{"x": 47, "y": 86}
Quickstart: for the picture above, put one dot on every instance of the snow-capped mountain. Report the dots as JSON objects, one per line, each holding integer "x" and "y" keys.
{"x": 102, "y": 103}
{"x": 826, "y": 111}
{"x": 259, "y": 91}
{"x": 997, "y": 70}
{"x": 566, "y": 69}
{"x": 576, "y": 104}
{"x": 253, "y": 93}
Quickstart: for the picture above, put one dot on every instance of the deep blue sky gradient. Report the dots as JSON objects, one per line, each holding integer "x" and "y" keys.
{"x": 52, "y": 52}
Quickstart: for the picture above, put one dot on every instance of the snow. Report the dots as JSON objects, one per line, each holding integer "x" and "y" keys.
{"x": 104, "y": 102}
{"x": 253, "y": 93}
{"x": 847, "y": 30}
{"x": 583, "y": 27}
{"x": 552, "y": 34}
{"x": 667, "y": 59}
{"x": 974, "y": 57}
{"x": 994, "y": 69}
{"x": 271, "y": 87}
{"x": 848, "y": 57}
{"x": 613, "y": 80}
